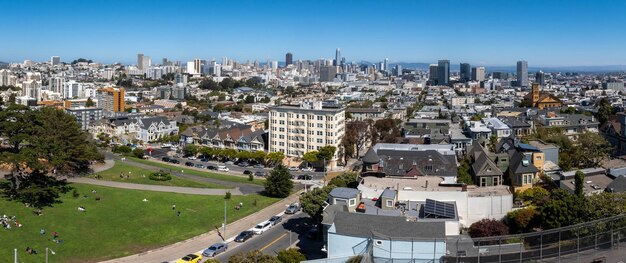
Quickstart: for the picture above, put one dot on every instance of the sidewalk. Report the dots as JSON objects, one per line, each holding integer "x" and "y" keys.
{"x": 157, "y": 188}
{"x": 198, "y": 243}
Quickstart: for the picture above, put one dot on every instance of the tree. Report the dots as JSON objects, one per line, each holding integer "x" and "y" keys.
{"x": 487, "y": 228}
{"x": 356, "y": 135}
{"x": 386, "y": 130}
{"x": 313, "y": 201}
{"x": 275, "y": 158}
{"x": 579, "y": 179}
{"x": 122, "y": 149}
{"x": 536, "y": 195}
{"x": 89, "y": 103}
{"x": 605, "y": 109}
{"x": 291, "y": 255}
{"x": 606, "y": 204}
{"x": 311, "y": 156}
{"x": 563, "y": 209}
{"x": 252, "y": 256}
{"x": 278, "y": 183}
{"x": 522, "y": 220}
{"x": 250, "y": 99}
{"x": 345, "y": 180}
{"x": 464, "y": 175}
{"x": 191, "y": 150}
{"x": 493, "y": 141}
{"x": 593, "y": 148}
{"x": 137, "y": 152}
{"x": 39, "y": 149}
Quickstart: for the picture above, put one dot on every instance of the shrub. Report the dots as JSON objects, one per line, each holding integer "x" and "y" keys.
{"x": 75, "y": 193}
{"x": 292, "y": 255}
{"x": 488, "y": 228}
{"x": 227, "y": 195}
{"x": 123, "y": 149}
{"x": 250, "y": 177}
{"x": 160, "y": 176}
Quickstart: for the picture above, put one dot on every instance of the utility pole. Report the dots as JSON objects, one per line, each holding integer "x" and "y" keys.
{"x": 46, "y": 255}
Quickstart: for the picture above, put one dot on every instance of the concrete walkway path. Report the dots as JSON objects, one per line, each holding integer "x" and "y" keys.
{"x": 157, "y": 188}
{"x": 194, "y": 244}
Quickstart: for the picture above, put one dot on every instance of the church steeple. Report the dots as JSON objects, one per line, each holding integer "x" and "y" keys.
{"x": 535, "y": 92}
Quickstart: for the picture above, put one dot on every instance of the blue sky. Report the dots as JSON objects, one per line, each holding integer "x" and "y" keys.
{"x": 545, "y": 33}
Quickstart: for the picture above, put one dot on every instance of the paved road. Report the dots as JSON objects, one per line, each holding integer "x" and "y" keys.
{"x": 157, "y": 188}
{"x": 243, "y": 187}
{"x": 277, "y": 238}
{"x": 180, "y": 249}
{"x": 160, "y": 153}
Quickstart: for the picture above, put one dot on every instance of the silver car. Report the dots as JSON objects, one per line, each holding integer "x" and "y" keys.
{"x": 215, "y": 249}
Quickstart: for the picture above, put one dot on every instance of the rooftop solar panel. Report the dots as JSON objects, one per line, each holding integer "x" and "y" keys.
{"x": 437, "y": 209}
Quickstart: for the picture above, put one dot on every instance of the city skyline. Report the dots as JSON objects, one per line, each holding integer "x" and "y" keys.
{"x": 371, "y": 31}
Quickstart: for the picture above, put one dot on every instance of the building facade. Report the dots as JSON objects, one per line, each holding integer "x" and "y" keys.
{"x": 111, "y": 99}
{"x": 296, "y": 130}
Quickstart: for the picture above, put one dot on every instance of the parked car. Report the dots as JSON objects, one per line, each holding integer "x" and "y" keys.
{"x": 293, "y": 208}
{"x": 215, "y": 249}
{"x": 305, "y": 177}
{"x": 247, "y": 172}
{"x": 229, "y": 163}
{"x": 222, "y": 168}
{"x": 174, "y": 161}
{"x": 204, "y": 160}
{"x": 192, "y": 157}
{"x": 259, "y": 166}
{"x": 199, "y": 165}
{"x": 307, "y": 169}
{"x": 275, "y": 220}
{"x": 243, "y": 236}
{"x": 262, "y": 227}
{"x": 293, "y": 168}
{"x": 189, "y": 164}
{"x": 191, "y": 258}
{"x": 259, "y": 173}
{"x": 165, "y": 159}
{"x": 243, "y": 164}
{"x": 211, "y": 167}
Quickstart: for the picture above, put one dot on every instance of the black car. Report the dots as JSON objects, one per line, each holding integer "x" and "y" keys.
{"x": 165, "y": 159}
{"x": 247, "y": 172}
{"x": 259, "y": 173}
{"x": 275, "y": 220}
{"x": 243, "y": 236}
{"x": 211, "y": 167}
{"x": 188, "y": 164}
{"x": 174, "y": 161}
{"x": 305, "y": 177}
{"x": 243, "y": 164}
{"x": 204, "y": 160}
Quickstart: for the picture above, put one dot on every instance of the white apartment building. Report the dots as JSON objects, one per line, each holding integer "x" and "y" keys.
{"x": 296, "y": 130}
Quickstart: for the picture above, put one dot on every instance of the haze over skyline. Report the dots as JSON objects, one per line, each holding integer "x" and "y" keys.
{"x": 498, "y": 33}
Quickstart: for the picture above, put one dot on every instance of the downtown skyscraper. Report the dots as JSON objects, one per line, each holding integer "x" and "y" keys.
{"x": 522, "y": 73}
{"x": 337, "y": 60}
{"x": 443, "y": 72}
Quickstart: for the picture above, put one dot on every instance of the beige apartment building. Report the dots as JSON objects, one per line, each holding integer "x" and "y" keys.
{"x": 296, "y": 130}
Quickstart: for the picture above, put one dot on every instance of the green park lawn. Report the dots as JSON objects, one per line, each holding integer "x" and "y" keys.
{"x": 140, "y": 176}
{"x": 117, "y": 225}
{"x": 224, "y": 177}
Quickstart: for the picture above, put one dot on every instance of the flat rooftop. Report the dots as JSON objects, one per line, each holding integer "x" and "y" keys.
{"x": 430, "y": 183}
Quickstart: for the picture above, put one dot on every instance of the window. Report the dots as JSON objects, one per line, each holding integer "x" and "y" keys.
{"x": 319, "y": 125}
{"x": 352, "y": 202}
{"x": 483, "y": 181}
{"x": 282, "y": 122}
{"x": 496, "y": 181}
{"x": 389, "y": 203}
{"x": 320, "y": 118}
{"x": 320, "y": 141}
{"x": 320, "y": 133}
{"x": 538, "y": 158}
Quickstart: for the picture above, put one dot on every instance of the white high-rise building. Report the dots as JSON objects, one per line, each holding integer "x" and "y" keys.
{"x": 32, "y": 89}
{"x": 4, "y": 77}
{"x": 56, "y": 85}
{"x": 295, "y": 130}
{"x": 478, "y": 73}
{"x": 55, "y": 60}
{"x": 72, "y": 89}
{"x": 522, "y": 73}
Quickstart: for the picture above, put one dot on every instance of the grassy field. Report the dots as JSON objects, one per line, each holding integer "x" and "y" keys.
{"x": 224, "y": 177}
{"x": 140, "y": 176}
{"x": 117, "y": 225}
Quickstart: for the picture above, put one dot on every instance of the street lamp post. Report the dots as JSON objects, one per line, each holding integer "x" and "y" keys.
{"x": 224, "y": 219}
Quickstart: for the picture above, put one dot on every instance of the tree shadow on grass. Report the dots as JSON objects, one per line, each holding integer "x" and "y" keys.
{"x": 37, "y": 190}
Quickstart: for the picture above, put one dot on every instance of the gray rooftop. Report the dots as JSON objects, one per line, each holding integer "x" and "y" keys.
{"x": 363, "y": 225}
{"x": 344, "y": 193}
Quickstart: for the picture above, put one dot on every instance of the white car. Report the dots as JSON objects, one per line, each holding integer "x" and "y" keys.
{"x": 222, "y": 168}
{"x": 293, "y": 168}
{"x": 192, "y": 158}
{"x": 262, "y": 227}
{"x": 307, "y": 169}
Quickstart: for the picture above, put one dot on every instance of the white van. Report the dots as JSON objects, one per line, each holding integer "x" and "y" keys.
{"x": 262, "y": 227}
